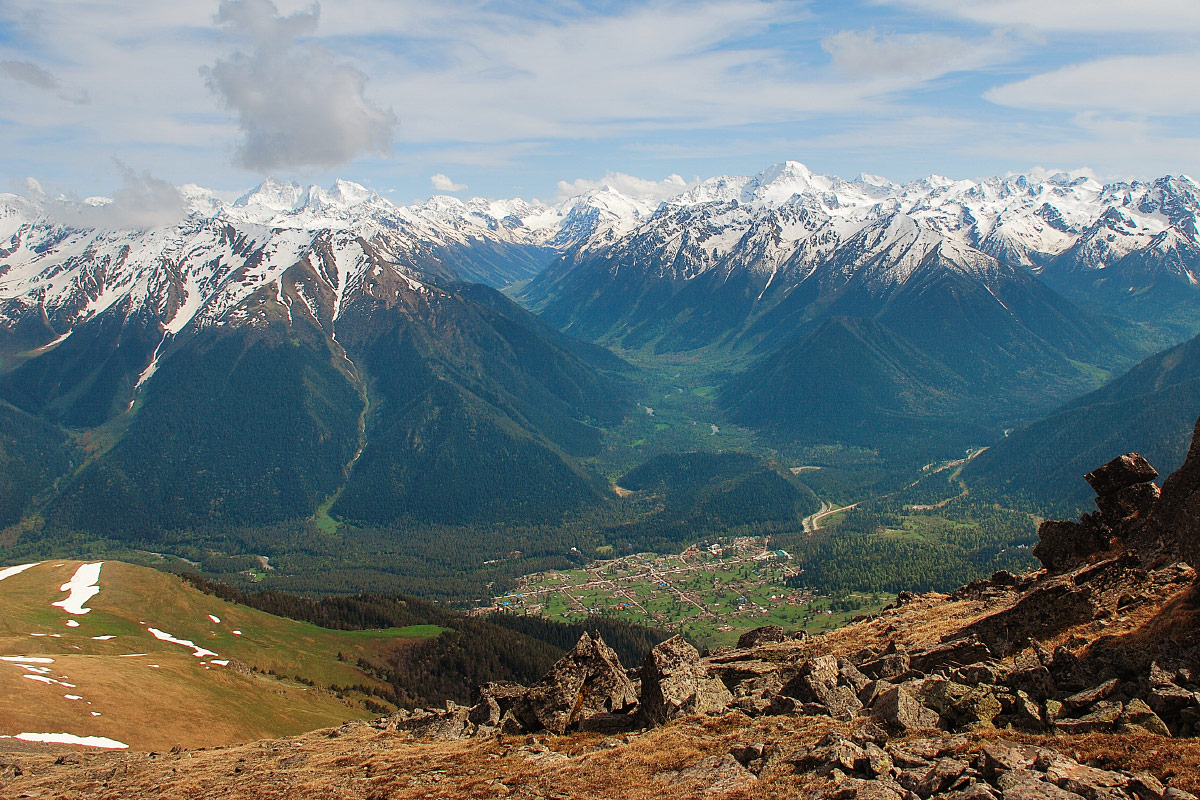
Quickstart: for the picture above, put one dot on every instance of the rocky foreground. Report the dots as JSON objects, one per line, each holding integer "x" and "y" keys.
{"x": 1082, "y": 680}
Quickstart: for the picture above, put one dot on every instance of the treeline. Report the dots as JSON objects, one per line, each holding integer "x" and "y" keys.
{"x": 630, "y": 642}
{"x": 883, "y": 550}
{"x": 450, "y": 666}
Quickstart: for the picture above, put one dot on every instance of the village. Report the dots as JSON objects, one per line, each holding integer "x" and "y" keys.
{"x": 711, "y": 592}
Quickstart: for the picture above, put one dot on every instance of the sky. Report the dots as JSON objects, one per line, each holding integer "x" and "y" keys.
{"x": 539, "y": 99}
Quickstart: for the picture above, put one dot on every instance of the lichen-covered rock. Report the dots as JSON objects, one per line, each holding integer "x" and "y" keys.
{"x": 675, "y": 683}
{"x": 901, "y": 711}
{"x": 587, "y": 681}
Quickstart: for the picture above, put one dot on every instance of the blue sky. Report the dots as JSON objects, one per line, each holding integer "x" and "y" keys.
{"x": 536, "y": 98}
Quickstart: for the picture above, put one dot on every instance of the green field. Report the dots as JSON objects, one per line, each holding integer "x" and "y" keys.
{"x": 712, "y": 599}
{"x": 269, "y": 677}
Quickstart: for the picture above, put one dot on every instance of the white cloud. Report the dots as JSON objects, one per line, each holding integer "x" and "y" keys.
{"x": 297, "y": 104}
{"x": 141, "y": 202}
{"x": 1108, "y": 16}
{"x": 1155, "y": 85}
{"x": 443, "y": 183}
{"x": 924, "y": 56}
{"x": 628, "y": 185}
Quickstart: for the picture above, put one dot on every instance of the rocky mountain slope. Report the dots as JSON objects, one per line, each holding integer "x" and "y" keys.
{"x": 1075, "y": 681}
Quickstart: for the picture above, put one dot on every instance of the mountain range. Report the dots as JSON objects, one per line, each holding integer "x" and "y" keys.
{"x": 307, "y": 353}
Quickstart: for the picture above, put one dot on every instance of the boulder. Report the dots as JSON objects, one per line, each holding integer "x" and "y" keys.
{"x": 1139, "y": 715}
{"x": 1129, "y": 503}
{"x": 900, "y": 710}
{"x": 1063, "y": 545}
{"x": 675, "y": 683}
{"x": 1102, "y": 717}
{"x": 768, "y": 634}
{"x": 717, "y": 774}
{"x": 587, "y": 681}
{"x": 1121, "y": 472}
{"x": 818, "y": 684}
{"x": 887, "y": 666}
{"x": 960, "y": 705}
{"x": 494, "y": 700}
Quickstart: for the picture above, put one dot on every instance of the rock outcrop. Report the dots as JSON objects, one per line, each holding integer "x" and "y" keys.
{"x": 675, "y": 682}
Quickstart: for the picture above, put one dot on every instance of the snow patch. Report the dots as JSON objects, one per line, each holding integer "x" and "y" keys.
{"x": 48, "y": 681}
{"x": 166, "y": 637}
{"x": 82, "y": 587}
{"x": 70, "y": 738}
{"x": 216, "y": 620}
{"x": 27, "y": 659}
{"x": 72, "y": 623}
{"x": 220, "y": 662}
{"x": 72, "y": 697}
{"x": 8, "y": 572}
{"x": 103, "y": 638}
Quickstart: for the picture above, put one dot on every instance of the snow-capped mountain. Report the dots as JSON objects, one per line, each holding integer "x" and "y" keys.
{"x": 786, "y": 226}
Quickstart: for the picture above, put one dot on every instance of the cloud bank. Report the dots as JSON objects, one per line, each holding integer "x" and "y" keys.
{"x": 629, "y": 185}
{"x": 296, "y": 104}
{"x": 142, "y": 202}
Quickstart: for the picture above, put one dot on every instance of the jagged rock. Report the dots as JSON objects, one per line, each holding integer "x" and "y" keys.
{"x": 1037, "y": 789}
{"x": 1102, "y": 717}
{"x": 1121, "y": 472}
{"x": 1173, "y": 793}
{"x": 494, "y": 699}
{"x": 719, "y": 774}
{"x": 988, "y": 672}
{"x": 943, "y": 775}
{"x": 1129, "y": 503}
{"x": 1139, "y": 715}
{"x": 1146, "y": 787}
{"x": 818, "y": 684}
{"x": 676, "y": 683}
{"x": 960, "y": 705}
{"x": 1090, "y": 696}
{"x": 768, "y": 634}
{"x": 900, "y": 710}
{"x": 1001, "y": 757}
{"x": 10, "y": 768}
{"x": 887, "y": 666}
{"x": 849, "y": 675}
{"x": 587, "y": 681}
{"x": 858, "y": 789}
{"x": 956, "y": 653}
{"x": 1063, "y": 545}
{"x": 1083, "y": 780}
{"x": 763, "y": 695}
{"x": 449, "y": 725}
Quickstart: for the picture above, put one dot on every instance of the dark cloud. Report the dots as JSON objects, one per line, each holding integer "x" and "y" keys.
{"x": 296, "y": 104}
{"x": 30, "y": 74}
